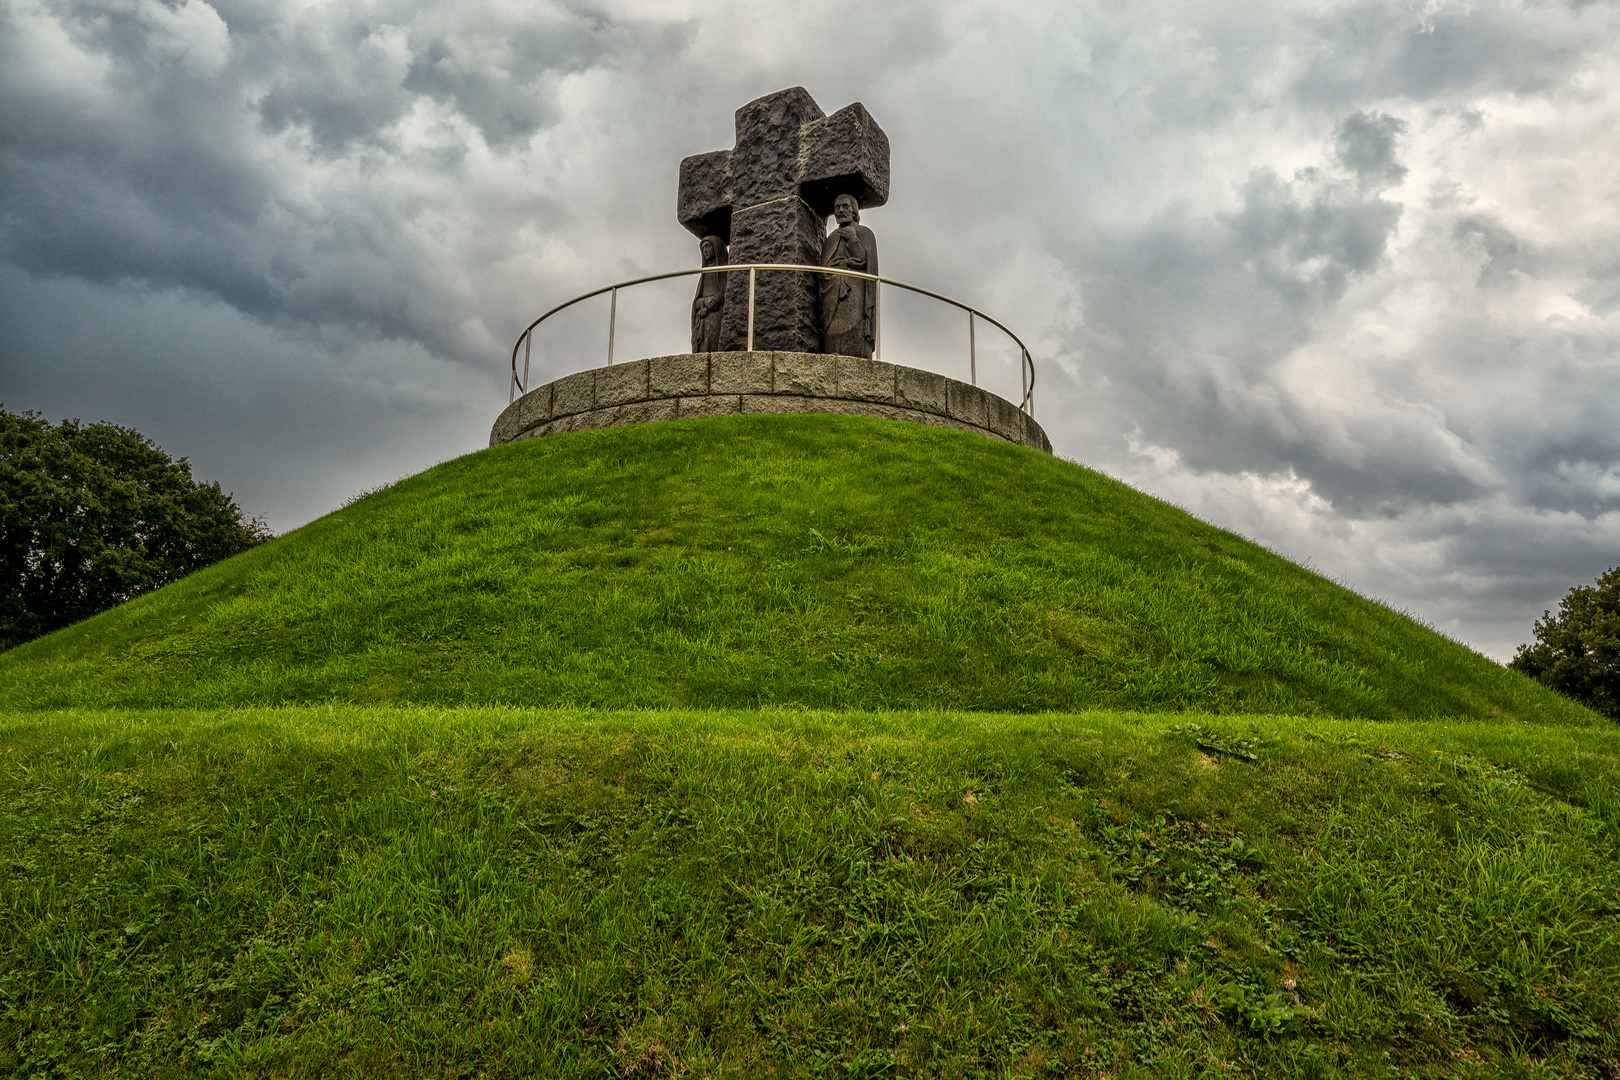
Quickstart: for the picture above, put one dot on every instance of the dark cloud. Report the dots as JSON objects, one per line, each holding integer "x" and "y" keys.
{"x": 1365, "y": 143}
{"x": 1304, "y": 240}
{"x": 1193, "y": 317}
{"x": 347, "y": 73}
{"x": 1601, "y": 292}
{"x": 282, "y": 160}
{"x": 1506, "y": 258}
{"x": 504, "y": 77}
{"x": 1374, "y": 51}
{"x": 340, "y": 91}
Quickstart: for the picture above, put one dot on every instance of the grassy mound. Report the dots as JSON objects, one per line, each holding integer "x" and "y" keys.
{"x": 746, "y": 561}
{"x": 353, "y": 857}
{"x": 391, "y": 892}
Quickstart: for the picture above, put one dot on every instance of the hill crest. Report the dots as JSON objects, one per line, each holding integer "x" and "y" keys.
{"x": 743, "y": 561}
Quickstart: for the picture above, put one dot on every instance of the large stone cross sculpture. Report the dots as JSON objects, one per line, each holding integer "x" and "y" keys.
{"x": 769, "y": 198}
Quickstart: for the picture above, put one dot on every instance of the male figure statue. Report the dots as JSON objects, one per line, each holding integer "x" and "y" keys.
{"x": 707, "y": 305}
{"x": 848, "y": 305}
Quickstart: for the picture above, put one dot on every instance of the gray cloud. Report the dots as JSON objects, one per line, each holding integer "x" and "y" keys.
{"x": 1192, "y": 317}
{"x": 1371, "y": 51}
{"x": 1342, "y": 278}
{"x": 297, "y": 164}
{"x": 1365, "y": 144}
{"x": 352, "y": 71}
{"x": 1505, "y": 257}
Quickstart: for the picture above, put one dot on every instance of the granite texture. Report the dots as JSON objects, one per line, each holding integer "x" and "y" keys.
{"x": 694, "y": 385}
{"x": 574, "y": 394}
{"x": 686, "y": 375}
{"x": 921, "y": 390}
{"x": 536, "y": 407}
{"x": 765, "y": 159}
{"x": 713, "y": 405}
{"x": 622, "y": 383}
{"x": 866, "y": 380}
{"x": 741, "y": 373}
{"x": 967, "y": 404}
{"x": 805, "y": 373}
{"x": 787, "y": 304}
{"x": 785, "y": 145}
{"x": 769, "y": 196}
{"x": 843, "y": 153}
{"x": 705, "y": 194}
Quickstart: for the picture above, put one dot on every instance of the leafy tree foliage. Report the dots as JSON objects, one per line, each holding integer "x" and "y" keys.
{"x": 93, "y": 514}
{"x": 1577, "y": 651}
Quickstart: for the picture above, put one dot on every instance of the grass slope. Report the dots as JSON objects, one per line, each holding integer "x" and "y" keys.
{"x": 744, "y": 561}
{"x": 389, "y": 892}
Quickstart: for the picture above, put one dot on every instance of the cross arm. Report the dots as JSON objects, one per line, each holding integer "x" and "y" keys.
{"x": 703, "y": 204}
{"x": 845, "y": 153}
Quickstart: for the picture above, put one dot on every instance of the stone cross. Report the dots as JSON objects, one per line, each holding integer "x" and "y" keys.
{"x": 769, "y": 198}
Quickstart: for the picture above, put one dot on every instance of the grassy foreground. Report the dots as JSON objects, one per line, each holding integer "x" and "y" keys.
{"x": 500, "y": 893}
{"x": 741, "y": 562}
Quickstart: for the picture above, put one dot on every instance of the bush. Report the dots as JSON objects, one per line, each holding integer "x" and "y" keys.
{"x": 93, "y": 514}
{"x": 1577, "y": 651}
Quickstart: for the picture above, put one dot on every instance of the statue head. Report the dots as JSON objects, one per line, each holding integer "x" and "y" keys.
{"x": 714, "y": 250}
{"x": 846, "y": 210}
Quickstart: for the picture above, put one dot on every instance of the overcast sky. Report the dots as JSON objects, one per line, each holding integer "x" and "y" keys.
{"x": 1342, "y": 277}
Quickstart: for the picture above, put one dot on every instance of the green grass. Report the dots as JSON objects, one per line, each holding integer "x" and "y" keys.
{"x": 387, "y": 892}
{"x": 1166, "y": 805}
{"x": 742, "y": 562}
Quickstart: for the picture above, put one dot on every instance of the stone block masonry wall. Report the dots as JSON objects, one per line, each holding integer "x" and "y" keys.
{"x": 727, "y": 383}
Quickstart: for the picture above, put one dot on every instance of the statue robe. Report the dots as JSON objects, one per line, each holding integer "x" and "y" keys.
{"x": 849, "y": 305}
{"x": 707, "y": 310}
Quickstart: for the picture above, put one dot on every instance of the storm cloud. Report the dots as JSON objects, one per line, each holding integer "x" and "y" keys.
{"x": 1339, "y": 276}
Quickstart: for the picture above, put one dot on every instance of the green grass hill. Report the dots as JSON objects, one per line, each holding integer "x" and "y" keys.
{"x": 820, "y": 561}
{"x": 792, "y": 746}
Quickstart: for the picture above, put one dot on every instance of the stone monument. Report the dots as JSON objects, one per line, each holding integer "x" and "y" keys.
{"x": 710, "y": 300}
{"x": 849, "y": 305}
{"x": 768, "y": 198}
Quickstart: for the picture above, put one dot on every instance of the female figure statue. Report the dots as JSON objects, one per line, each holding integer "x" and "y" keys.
{"x": 848, "y": 305}
{"x": 711, "y": 297}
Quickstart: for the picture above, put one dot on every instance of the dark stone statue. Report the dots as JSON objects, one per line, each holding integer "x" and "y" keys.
{"x": 709, "y": 303}
{"x": 848, "y": 305}
{"x": 768, "y": 199}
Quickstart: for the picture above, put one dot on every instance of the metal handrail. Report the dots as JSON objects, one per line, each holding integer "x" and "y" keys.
{"x": 1026, "y": 370}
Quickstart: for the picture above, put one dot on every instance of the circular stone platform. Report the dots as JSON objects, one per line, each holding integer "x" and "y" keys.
{"x": 726, "y": 383}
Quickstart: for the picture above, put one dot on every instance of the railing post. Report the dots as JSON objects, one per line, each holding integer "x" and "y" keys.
{"x": 750, "y": 309}
{"x": 528, "y": 343}
{"x": 877, "y": 320}
{"x": 613, "y": 317}
{"x": 973, "y": 353}
{"x": 1023, "y": 382}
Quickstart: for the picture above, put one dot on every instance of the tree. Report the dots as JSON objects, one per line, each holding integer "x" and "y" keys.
{"x": 93, "y": 514}
{"x": 1577, "y": 651}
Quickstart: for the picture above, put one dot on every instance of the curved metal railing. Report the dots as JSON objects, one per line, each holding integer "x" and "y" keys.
{"x": 1026, "y": 369}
